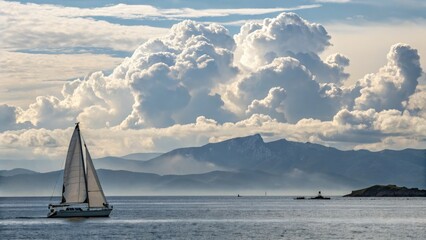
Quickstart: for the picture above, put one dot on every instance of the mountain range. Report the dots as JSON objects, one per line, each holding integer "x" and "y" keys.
{"x": 242, "y": 164}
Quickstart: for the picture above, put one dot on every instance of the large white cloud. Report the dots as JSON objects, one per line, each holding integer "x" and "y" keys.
{"x": 332, "y": 70}
{"x": 97, "y": 100}
{"x": 260, "y": 43}
{"x": 185, "y": 65}
{"x": 272, "y": 104}
{"x": 8, "y": 118}
{"x": 371, "y": 128}
{"x": 391, "y": 87}
{"x": 150, "y": 87}
{"x": 196, "y": 84}
{"x": 367, "y": 42}
{"x": 303, "y": 98}
{"x": 417, "y": 102}
{"x": 289, "y": 35}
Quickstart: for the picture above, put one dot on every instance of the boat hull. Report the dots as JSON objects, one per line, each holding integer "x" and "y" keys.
{"x": 80, "y": 213}
{"x": 320, "y": 198}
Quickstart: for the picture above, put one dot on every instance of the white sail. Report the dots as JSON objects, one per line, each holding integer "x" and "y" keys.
{"x": 74, "y": 188}
{"x": 94, "y": 189}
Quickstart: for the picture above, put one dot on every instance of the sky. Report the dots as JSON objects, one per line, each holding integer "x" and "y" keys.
{"x": 160, "y": 75}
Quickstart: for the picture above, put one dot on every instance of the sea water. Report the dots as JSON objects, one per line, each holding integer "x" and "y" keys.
{"x": 222, "y": 217}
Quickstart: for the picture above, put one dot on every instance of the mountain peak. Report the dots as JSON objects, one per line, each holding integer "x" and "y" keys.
{"x": 257, "y": 135}
{"x": 15, "y": 171}
{"x": 256, "y": 138}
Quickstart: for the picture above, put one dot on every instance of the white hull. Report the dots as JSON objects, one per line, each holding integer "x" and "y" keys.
{"x": 65, "y": 213}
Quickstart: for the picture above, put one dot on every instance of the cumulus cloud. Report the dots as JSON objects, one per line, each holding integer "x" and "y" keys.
{"x": 303, "y": 99}
{"x": 86, "y": 99}
{"x": 361, "y": 120}
{"x": 181, "y": 33}
{"x": 48, "y": 111}
{"x": 260, "y": 43}
{"x": 204, "y": 103}
{"x": 8, "y": 118}
{"x": 198, "y": 84}
{"x": 272, "y": 104}
{"x": 370, "y": 128}
{"x": 186, "y": 66}
{"x": 289, "y": 35}
{"x": 391, "y": 87}
{"x": 330, "y": 71}
{"x": 150, "y": 87}
{"x": 417, "y": 102}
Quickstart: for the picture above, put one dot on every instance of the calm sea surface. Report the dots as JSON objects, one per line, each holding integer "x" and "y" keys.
{"x": 222, "y": 218}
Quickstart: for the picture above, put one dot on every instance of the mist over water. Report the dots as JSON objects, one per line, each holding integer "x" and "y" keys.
{"x": 222, "y": 217}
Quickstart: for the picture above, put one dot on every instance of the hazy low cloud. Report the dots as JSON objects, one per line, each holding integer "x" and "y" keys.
{"x": 181, "y": 165}
{"x": 351, "y": 129}
{"x": 44, "y": 74}
{"x": 57, "y": 28}
{"x": 135, "y": 11}
{"x": 41, "y": 27}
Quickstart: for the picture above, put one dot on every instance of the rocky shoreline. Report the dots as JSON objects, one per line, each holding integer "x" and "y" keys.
{"x": 387, "y": 191}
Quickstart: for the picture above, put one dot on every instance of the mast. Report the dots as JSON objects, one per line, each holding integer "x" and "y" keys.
{"x": 82, "y": 162}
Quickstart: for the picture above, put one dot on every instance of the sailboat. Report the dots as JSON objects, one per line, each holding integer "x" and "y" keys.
{"x": 82, "y": 194}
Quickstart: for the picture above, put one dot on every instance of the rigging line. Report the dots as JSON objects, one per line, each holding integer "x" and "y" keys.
{"x": 57, "y": 179}
{"x": 84, "y": 161}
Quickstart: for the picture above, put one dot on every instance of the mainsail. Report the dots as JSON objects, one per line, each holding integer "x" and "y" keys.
{"x": 94, "y": 189}
{"x": 74, "y": 189}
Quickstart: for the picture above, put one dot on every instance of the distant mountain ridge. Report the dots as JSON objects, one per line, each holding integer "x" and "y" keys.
{"x": 141, "y": 156}
{"x": 406, "y": 167}
{"x": 15, "y": 171}
{"x": 250, "y": 163}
